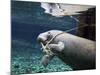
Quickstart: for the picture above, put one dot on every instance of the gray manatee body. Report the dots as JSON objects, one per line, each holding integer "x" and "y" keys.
{"x": 75, "y": 51}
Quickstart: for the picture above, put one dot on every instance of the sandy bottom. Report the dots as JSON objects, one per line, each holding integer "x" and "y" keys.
{"x": 32, "y": 64}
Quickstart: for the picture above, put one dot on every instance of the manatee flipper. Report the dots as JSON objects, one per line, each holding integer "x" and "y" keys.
{"x": 57, "y": 47}
{"x": 46, "y": 59}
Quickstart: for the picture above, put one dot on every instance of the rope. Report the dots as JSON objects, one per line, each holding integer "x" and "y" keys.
{"x": 47, "y": 50}
{"x": 63, "y": 33}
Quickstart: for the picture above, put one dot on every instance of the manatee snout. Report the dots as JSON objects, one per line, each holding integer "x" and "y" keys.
{"x": 42, "y": 39}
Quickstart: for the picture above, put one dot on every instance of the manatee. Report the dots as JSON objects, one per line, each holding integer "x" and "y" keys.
{"x": 77, "y": 52}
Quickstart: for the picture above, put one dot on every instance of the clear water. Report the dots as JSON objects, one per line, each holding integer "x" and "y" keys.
{"x": 28, "y": 21}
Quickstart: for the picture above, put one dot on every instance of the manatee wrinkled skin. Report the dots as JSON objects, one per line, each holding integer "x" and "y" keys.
{"x": 75, "y": 51}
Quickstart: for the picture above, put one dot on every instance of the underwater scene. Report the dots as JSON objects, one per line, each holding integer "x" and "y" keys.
{"x": 28, "y": 20}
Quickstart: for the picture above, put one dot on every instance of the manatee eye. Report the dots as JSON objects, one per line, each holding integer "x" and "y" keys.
{"x": 49, "y": 36}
